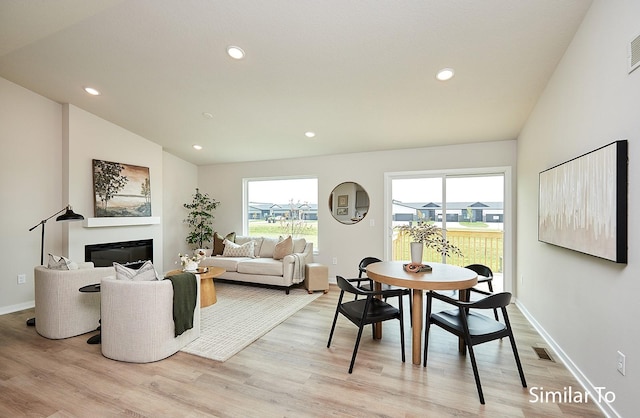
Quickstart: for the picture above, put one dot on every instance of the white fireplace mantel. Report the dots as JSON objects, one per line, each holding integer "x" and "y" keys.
{"x": 122, "y": 221}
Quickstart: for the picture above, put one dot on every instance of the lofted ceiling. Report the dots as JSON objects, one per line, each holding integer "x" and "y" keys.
{"x": 360, "y": 74}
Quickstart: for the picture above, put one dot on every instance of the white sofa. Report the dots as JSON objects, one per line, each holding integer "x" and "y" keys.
{"x": 62, "y": 311}
{"x": 263, "y": 268}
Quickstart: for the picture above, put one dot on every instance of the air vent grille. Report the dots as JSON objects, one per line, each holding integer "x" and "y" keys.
{"x": 634, "y": 54}
{"x": 543, "y": 354}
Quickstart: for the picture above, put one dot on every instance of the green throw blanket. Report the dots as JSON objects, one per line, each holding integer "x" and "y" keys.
{"x": 185, "y": 290}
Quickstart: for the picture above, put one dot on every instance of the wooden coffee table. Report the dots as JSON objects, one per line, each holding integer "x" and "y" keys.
{"x": 207, "y": 287}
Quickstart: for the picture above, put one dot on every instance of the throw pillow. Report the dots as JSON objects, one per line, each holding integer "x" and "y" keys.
{"x": 231, "y": 249}
{"x": 299, "y": 245}
{"x": 145, "y": 272}
{"x": 283, "y": 248}
{"x": 257, "y": 242}
{"x": 218, "y": 242}
{"x": 61, "y": 263}
{"x": 268, "y": 246}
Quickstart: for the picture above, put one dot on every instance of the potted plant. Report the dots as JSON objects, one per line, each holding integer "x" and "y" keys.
{"x": 429, "y": 235}
{"x": 200, "y": 219}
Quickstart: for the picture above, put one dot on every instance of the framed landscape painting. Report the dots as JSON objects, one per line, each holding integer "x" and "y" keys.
{"x": 121, "y": 190}
{"x": 583, "y": 203}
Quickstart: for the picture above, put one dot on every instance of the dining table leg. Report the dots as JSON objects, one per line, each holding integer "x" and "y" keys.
{"x": 416, "y": 327}
{"x": 463, "y": 296}
{"x": 377, "y": 327}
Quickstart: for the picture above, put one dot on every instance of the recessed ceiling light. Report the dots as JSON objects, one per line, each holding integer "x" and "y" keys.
{"x": 92, "y": 91}
{"x": 207, "y": 115}
{"x": 445, "y": 74}
{"x": 309, "y": 134}
{"x": 198, "y": 147}
{"x": 235, "y": 52}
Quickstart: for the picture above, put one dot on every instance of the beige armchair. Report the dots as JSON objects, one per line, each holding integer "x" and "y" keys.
{"x": 62, "y": 311}
{"x": 137, "y": 320}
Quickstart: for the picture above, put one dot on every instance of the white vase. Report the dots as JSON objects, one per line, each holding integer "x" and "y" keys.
{"x": 191, "y": 266}
{"x": 416, "y": 252}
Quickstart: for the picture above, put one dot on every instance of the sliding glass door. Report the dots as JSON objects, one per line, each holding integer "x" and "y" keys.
{"x": 468, "y": 206}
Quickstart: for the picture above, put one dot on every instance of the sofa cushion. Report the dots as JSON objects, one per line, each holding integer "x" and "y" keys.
{"x": 261, "y": 266}
{"x": 227, "y": 263}
{"x": 218, "y": 242}
{"x": 299, "y": 245}
{"x": 145, "y": 272}
{"x": 61, "y": 263}
{"x": 267, "y": 247}
{"x": 231, "y": 249}
{"x": 283, "y": 248}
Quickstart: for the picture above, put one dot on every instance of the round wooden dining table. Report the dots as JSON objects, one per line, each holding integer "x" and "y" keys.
{"x": 440, "y": 277}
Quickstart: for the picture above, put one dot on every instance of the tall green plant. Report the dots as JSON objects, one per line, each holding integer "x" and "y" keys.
{"x": 200, "y": 219}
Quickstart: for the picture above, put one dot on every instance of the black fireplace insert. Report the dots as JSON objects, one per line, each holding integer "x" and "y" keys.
{"x": 129, "y": 253}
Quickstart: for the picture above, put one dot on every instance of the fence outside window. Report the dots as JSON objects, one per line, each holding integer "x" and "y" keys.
{"x": 478, "y": 247}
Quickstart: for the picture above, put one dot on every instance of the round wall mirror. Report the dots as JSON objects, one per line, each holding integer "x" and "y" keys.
{"x": 349, "y": 203}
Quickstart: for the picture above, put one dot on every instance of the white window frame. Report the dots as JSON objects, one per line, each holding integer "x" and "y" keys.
{"x": 509, "y": 216}
{"x": 245, "y": 197}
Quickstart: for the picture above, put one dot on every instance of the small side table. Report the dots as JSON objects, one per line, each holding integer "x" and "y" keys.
{"x": 93, "y": 288}
{"x": 316, "y": 277}
{"x": 207, "y": 287}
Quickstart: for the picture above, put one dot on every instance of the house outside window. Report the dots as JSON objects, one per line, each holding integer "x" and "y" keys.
{"x": 279, "y": 207}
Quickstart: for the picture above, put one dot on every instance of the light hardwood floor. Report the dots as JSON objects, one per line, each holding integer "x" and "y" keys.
{"x": 287, "y": 373}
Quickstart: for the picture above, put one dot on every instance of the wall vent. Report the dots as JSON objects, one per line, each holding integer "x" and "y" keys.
{"x": 543, "y": 354}
{"x": 634, "y": 54}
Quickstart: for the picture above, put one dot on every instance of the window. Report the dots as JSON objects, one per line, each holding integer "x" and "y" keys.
{"x": 282, "y": 207}
{"x": 468, "y": 205}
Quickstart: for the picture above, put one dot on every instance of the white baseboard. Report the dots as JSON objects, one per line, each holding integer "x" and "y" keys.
{"x": 15, "y": 308}
{"x": 569, "y": 364}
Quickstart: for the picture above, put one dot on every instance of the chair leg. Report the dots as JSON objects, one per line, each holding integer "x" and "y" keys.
{"x": 333, "y": 327}
{"x": 472, "y": 356}
{"x": 427, "y": 325}
{"x": 514, "y": 348}
{"x": 355, "y": 349}
{"x": 495, "y": 311}
{"x": 402, "y": 329}
{"x": 410, "y": 310}
{"x": 517, "y": 357}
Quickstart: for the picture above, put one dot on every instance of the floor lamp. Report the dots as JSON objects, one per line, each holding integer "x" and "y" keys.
{"x": 68, "y": 216}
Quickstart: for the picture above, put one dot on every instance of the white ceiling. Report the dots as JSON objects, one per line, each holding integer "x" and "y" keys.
{"x": 361, "y": 74}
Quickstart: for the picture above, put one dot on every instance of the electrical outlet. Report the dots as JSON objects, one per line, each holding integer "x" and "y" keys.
{"x": 335, "y": 261}
{"x": 621, "y": 363}
{"x": 372, "y": 222}
{"x": 22, "y": 278}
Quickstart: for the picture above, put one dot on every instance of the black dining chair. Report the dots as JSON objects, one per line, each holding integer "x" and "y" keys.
{"x": 363, "y": 282}
{"x": 473, "y": 327}
{"x": 485, "y": 275}
{"x": 368, "y": 310}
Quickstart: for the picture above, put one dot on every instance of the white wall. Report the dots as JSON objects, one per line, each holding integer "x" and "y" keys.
{"x": 348, "y": 243}
{"x": 30, "y": 187}
{"x": 180, "y": 181}
{"x": 90, "y": 137}
{"x": 45, "y": 163}
{"x": 586, "y": 305}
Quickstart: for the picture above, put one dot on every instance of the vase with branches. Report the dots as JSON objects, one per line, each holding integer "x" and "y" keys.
{"x": 200, "y": 219}
{"x": 428, "y": 235}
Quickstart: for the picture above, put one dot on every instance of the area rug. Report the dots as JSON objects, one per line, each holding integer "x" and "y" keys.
{"x": 241, "y": 315}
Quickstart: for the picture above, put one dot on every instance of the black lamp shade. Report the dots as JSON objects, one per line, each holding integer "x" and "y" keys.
{"x": 69, "y": 216}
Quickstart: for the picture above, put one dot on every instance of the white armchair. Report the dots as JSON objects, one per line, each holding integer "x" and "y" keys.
{"x": 137, "y": 320}
{"x": 62, "y": 311}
